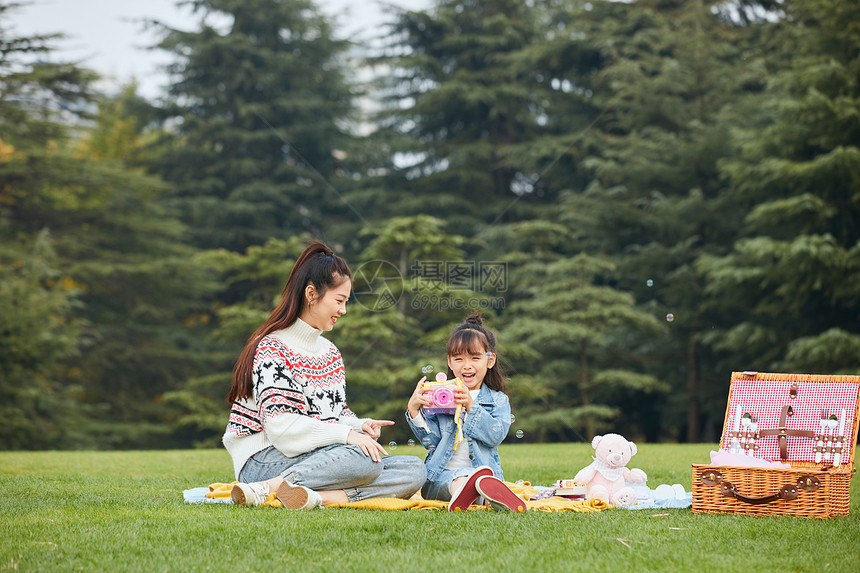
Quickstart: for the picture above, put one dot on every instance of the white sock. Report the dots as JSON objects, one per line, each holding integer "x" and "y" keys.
{"x": 314, "y": 498}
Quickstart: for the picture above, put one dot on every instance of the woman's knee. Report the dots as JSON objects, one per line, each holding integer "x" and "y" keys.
{"x": 334, "y": 467}
{"x": 411, "y": 472}
{"x": 418, "y": 471}
{"x": 362, "y": 465}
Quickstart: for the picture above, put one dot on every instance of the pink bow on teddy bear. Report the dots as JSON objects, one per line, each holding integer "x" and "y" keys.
{"x": 606, "y": 476}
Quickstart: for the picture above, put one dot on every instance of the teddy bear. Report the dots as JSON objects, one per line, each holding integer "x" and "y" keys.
{"x": 605, "y": 477}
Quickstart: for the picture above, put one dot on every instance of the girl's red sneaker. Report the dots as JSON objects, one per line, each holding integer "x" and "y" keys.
{"x": 468, "y": 493}
{"x": 500, "y": 496}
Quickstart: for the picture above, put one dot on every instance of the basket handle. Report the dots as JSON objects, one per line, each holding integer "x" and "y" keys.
{"x": 782, "y": 431}
{"x": 787, "y": 492}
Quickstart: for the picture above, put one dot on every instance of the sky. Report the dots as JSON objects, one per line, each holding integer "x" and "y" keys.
{"x": 108, "y": 36}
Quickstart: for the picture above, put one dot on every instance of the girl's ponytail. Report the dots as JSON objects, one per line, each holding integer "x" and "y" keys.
{"x": 475, "y": 318}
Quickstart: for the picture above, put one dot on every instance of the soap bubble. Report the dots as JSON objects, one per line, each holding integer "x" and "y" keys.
{"x": 513, "y": 418}
{"x": 411, "y": 443}
{"x": 670, "y": 317}
{"x": 392, "y": 445}
{"x": 427, "y": 369}
{"x": 497, "y": 427}
{"x": 649, "y": 282}
{"x": 427, "y": 441}
{"x": 520, "y": 433}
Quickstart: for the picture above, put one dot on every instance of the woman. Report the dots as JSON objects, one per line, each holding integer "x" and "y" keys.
{"x": 290, "y": 430}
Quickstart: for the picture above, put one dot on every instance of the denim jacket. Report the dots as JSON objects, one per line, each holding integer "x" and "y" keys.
{"x": 484, "y": 428}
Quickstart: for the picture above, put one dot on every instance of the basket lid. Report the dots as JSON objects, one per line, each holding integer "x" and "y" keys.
{"x": 797, "y": 417}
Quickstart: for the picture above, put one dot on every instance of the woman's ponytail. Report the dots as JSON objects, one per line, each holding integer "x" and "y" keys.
{"x": 316, "y": 265}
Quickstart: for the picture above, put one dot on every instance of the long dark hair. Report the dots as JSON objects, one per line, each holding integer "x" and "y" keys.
{"x": 472, "y": 337}
{"x": 317, "y": 265}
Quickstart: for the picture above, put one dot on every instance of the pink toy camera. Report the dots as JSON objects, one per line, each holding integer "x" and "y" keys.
{"x": 442, "y": 393}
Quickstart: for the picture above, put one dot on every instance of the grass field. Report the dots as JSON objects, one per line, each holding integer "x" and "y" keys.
{"x": 123, "y": 511}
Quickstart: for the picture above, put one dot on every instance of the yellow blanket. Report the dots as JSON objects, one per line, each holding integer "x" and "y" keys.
{"x": 522, "y": 489}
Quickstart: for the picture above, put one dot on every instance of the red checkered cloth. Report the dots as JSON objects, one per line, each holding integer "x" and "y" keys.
{"x": 765, "y": 398}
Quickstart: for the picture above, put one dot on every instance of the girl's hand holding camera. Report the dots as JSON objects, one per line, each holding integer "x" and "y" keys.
{"x": 418, "y": 400}
{"x": 463, "y": 397}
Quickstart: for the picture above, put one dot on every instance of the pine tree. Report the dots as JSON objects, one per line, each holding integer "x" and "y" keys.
{"x": 569, "y": 333}
{"x": 38, "y": 330}
{"x": 461, "y": 104}
{"x": 791, "y": 274}
{"x": 39, "y": 323}
{"x": 108, "y": 283}
{"x": 256, "y": 107}
{"x": 671, "y": 88}
{"x": 145, "y": 294}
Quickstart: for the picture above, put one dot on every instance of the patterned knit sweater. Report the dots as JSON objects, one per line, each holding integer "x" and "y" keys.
{"x": 299, "y": 401}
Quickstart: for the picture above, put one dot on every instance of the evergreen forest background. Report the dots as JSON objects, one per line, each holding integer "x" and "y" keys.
{"x": 641, "y": 197}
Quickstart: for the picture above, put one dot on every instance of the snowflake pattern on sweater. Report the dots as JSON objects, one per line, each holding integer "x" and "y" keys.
{"x": 288, "y": 381}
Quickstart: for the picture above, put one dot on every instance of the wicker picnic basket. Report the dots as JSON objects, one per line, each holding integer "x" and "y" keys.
{"x": 807, "y": 421}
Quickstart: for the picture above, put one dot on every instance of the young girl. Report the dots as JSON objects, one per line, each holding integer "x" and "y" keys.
{"x": 463, "y": 462}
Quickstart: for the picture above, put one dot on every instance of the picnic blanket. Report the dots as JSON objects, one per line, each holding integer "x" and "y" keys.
{"x": 220, "y": 493}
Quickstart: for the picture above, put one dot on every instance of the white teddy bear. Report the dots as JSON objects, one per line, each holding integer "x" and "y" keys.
{"x": 605, "y": 477}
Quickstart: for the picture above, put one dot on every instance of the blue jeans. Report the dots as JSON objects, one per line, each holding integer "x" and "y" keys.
{"x": 440, "y": 488}
{"x": 339, "y": 467}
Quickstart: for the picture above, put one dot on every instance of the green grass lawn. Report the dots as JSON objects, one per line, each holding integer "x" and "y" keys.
{"x": 123, "y": 511}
